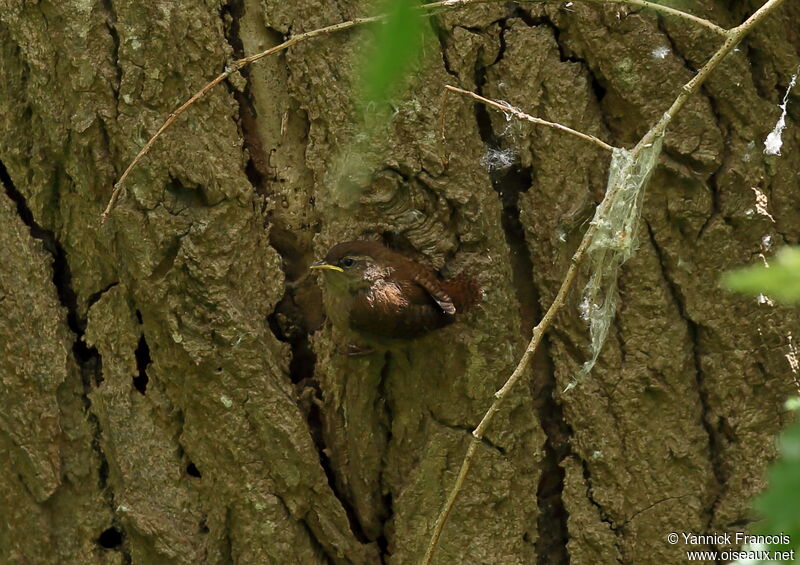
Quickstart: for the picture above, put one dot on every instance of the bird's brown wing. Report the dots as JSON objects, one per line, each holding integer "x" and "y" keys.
{"x": 400, "y": 309}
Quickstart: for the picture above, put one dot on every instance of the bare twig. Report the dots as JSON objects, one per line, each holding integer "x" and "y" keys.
{"x": 538, "y": 332}
{"x": 241, "y": 63}
{"x": 234, "y": 67}
{"x": 519, "y": 114}
{"x": 669, "y": 11}
{"x": 147, "y": 146}
{"x": 639, "y": 3}
{"x": 733, "y": 37}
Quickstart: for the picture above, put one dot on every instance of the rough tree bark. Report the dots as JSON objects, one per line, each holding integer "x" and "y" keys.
{"x": 169, "y": 392}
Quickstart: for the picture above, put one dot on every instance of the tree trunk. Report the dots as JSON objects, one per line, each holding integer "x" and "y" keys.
{"x": 170, "y": 391}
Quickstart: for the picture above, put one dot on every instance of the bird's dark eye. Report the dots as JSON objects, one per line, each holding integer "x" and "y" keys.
{"x": 347, "y": 262}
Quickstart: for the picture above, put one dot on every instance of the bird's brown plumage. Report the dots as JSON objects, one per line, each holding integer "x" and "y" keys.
{"x": 395, "y": 297}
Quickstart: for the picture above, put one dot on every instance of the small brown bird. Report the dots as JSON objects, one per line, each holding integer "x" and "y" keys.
{"x": 378, "y": 293}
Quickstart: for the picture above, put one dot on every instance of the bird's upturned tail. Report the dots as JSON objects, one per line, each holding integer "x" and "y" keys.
{"x": 464, "y": 291}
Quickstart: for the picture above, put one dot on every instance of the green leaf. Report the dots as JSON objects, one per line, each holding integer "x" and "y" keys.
{"x": 780, "y": 281}
{"x": 780, "y": 502}
{"x": 385, "y": 65}
{"x": 397, "y": 44}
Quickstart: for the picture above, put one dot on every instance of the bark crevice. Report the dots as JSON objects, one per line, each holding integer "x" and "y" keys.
{"x": 257, "y": 168}
{"x": 87, "y": 359}
{"x": 111, "y": 24}
{"x": 388, "y": 510}
{"x": 509, "y": 183}
{"x": 442, "y": 36}
{"x": 289, "y": 320}
{"x": 143, "y": 360}
{"x": 467, "y": 430}
{"x": 715, "y": 454}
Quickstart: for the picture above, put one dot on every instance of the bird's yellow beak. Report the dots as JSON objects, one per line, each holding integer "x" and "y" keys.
{"x": 321, "y": 265}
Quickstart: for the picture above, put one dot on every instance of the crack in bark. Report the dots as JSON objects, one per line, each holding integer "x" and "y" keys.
{"x": 314, "y": 420}
{"x": 604, "y": 515}
{"x": 94, "y": 298}
{"x": 673, "y": 47}
{"x": 87, "y": 359}
{"x": 143, "y": 360}
{"x": 315, "y": 542}
{"x": 653, "y": 505}
{"x": 298, "y": 514}
{"x": 388, "y": 510}
{"x": 545, "y": 20}
{"x": 442, "y": 36}
{"x": 296, "y": 331}
{"x": 713, "y": 186}
{"x": 551, "y": 545}
{"x": 553, "y": 518}
{"x": 106, "y": 143}
{"x": 226, "y": 549}
{"x": 257, "y": 168}
{"x": 111, "y": 24}
{"x": 301, "y": 365}
{"x": 771, "y": 93}
{"x": 714, "y": 445}
{"x": 594, "y": 82}
{"x": 719, "y": 120}
{"x": 467, "y": 429}
{"x": 713, "y": 179}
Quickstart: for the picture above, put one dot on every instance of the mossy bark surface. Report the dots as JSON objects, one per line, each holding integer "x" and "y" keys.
{"x": 170, "y": 391}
